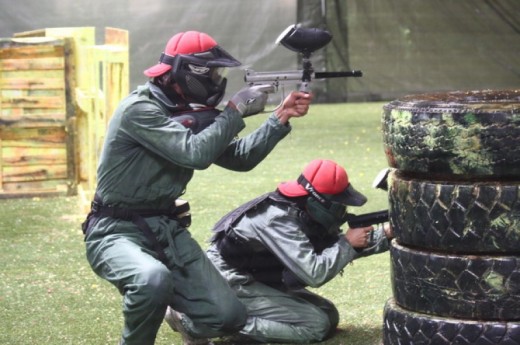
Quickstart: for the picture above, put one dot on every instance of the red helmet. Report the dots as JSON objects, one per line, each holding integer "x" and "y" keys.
{"x": 322, "y": 176}
{"x": 197, "y": 64}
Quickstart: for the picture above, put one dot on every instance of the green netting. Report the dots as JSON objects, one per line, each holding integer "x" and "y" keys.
{"x": 414, "y": 46}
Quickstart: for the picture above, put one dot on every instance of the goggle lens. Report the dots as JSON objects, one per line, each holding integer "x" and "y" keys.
{"x": 218, "y": 74}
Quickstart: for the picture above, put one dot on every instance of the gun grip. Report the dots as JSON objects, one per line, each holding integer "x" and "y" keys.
{"x": 305, "y": 87}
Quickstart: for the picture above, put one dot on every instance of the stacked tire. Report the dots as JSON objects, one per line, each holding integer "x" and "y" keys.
{"x": 454, "y": 197}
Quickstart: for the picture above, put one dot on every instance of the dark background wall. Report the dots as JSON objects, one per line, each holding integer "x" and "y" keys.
{"x": 411, "y": 46}
{"x": 402, "y": 46}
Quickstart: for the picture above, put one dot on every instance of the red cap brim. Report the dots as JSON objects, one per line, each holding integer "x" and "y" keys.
{"x": 349, "y": 196}
{"x": 157, "y": 70}
{"x": 292, "y": 189}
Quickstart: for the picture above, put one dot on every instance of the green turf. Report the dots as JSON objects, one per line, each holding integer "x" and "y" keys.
{"x": 49, "y": 295}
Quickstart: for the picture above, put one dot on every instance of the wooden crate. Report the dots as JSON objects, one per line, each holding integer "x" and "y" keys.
{"x": 36, "y": 150}
{"x": 57, "y": 92}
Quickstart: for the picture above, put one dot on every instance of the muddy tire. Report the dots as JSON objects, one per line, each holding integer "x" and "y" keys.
{"x": 456, "y": 286}
{"x": 466, "y": 134}
{"x": 403, "y": 327}
{"x": 456, "y": 217}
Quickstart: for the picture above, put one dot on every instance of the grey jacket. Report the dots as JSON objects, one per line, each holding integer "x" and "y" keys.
{"x": 279, "y": 229}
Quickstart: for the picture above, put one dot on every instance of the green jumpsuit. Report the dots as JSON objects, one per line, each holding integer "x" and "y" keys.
{"x": 146, "y": 162}
{"x": 277, "y": 313}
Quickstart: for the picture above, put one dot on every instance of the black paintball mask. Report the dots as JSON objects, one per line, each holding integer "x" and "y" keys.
{"x": 201, "y": 76}
{"x": 327, "y": 192}
{"x": 329, "y": 210}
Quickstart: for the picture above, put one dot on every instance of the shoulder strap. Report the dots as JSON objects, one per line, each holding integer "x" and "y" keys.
{"x": 197, "y": 119}
{"x": 226, "y": 221}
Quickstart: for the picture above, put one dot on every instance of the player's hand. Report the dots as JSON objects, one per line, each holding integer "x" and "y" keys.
{"x": 296, "y": 104}
{"x": 389, "y": 232}
{"x": 359, "y": 237}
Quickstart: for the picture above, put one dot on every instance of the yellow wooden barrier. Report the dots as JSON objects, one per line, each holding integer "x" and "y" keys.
{"x": 57, "y": 92}
{"x": 36, "y": 153}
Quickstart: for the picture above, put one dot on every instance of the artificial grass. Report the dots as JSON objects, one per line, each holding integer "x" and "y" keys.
{"x": 49, "y": 295}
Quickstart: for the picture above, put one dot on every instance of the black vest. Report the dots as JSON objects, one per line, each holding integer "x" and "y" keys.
{"x": 264, "y": 265}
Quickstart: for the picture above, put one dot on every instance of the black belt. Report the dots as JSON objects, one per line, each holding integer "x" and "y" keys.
{"x": 136, "y": 216}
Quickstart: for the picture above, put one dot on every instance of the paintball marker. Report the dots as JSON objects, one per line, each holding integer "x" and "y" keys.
{"x": 304, "y": 41}
{"x": 367, "y": 219}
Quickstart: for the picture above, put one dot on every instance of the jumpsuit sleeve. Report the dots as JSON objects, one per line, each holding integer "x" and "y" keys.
{"x": 245, "y": 153}
{"x": 285, "y": 239}
{"x": 150, "y": 127}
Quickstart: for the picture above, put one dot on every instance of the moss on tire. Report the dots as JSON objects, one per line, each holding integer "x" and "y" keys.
{"x": 473, "y": 287}
{"x": 456, "y": 217}
{"x": 467, "y": 134}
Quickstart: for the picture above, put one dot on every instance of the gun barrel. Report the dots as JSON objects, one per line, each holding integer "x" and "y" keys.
{"x": 367, "y": 219}
{"x": 272, "y": 77}
{"x": 276, "y": 77}
{"x": 325, "y": 75}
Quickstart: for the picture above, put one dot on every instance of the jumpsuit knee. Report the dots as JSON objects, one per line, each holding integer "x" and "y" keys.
{"x": 144, "y": 304}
